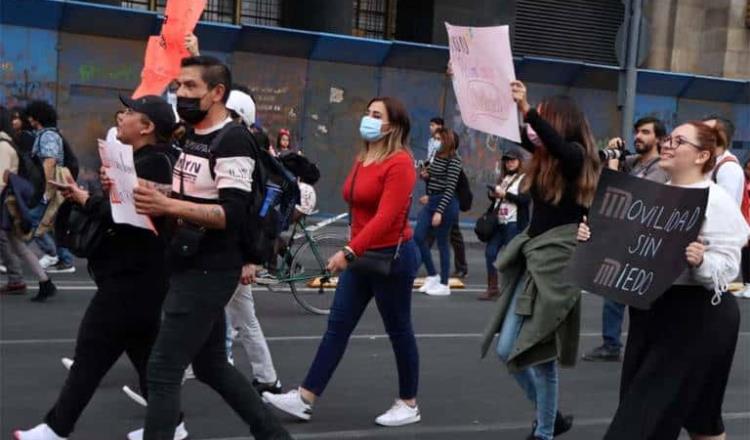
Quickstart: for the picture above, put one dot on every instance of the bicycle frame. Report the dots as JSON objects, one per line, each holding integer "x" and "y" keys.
{"x": 288, "y": 255}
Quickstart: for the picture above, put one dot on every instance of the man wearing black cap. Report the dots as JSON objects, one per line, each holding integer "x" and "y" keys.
{"x": 129, "y": 269}
{"x": 213, "y": 184}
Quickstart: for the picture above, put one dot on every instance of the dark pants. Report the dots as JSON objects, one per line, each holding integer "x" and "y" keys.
{"x": 457, "y": 243}
{"x": 503, "y": 235}
{"x": 677, "y": 362}
{"x": 746, "y": 264}
{"x": 424, "y": 227}
{"x": 194, "y": 330}
{"x": 393, "y": 297}
{"x": 122, "y": 317}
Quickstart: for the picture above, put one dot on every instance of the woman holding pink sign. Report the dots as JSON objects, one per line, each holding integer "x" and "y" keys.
{"x": 538, "y": 312}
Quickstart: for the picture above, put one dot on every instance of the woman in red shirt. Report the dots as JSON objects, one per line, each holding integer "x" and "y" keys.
{"x": 378, "y": 189}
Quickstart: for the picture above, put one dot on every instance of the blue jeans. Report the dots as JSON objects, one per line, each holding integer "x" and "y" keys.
{"x": 46, "y": 242}
{"x": 503, "y": 235}
{"x": 393, "y": 298}
{"x": 441, "y": 233}
{"x": 612, "y": 315}
{"x": 539, "y": 382}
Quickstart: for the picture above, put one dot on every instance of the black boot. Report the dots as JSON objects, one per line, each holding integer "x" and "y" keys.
{"x": 562, "y": 425}
{"x": 46, "y": 290}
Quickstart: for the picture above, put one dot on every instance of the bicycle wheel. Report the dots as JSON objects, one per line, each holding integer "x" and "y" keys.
{"x": 308, "y": 271}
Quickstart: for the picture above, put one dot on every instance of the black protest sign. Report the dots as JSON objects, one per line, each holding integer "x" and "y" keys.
{"x": 639, "y": 232}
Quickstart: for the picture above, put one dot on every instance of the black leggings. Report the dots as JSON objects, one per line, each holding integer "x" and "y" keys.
{"x": 746, "y": 264}
{"x": 122, "y": 317}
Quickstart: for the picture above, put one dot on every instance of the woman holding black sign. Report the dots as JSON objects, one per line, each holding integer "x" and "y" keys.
{"x": 538, "y": 314}
{"x": 679, "y": 353}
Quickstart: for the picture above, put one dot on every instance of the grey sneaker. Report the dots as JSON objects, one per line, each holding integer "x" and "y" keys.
{"x": 603, "y": 354}
{"x": 61, "y": 268}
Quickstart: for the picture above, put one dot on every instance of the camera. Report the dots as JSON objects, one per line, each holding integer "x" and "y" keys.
{"x": 610, "y": 154}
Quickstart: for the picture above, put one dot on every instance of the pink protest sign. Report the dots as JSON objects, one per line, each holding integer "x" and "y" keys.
{"x": 482, "y": 66}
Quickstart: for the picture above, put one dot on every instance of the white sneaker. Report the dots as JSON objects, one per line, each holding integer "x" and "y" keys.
{"x": 3, "y": 268}
{"x": 745, "y": 292}
{"x": 48, "y": 261}
{"x": 439, "y": 290}
{"x": 39, "y": 432}
{"x": 180, "y": 433}
{"x": 67, "y": 363}
{"x": 135, "y": 396}
{"x": 188, "y": 374}
{"x": 429, "y": 282}
{"x": 400, "y": 414}
{"x": 291, "y": 403}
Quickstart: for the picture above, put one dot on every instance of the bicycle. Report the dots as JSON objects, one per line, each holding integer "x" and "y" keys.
{"x": 303, "y": 266}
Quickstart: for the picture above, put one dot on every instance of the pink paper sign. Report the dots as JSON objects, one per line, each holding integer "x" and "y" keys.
{"x": 482, "y": 65}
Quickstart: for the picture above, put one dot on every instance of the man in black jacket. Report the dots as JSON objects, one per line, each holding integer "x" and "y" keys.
{"x": 212, "y": 186}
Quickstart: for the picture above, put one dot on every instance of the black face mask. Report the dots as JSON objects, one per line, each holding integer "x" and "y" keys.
{"x": 190, "y": 111}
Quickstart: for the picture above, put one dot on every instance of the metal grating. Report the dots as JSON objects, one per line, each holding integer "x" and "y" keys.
{"x": 263, "y": 12}
{"x": 144, "y": 5}
{"x": 575, "y": 29}
{"x": 375, "y": 19}
{"x": 221, "y": 11}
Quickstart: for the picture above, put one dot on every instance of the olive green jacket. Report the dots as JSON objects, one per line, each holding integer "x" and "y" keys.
{"x": 550, "y": 304}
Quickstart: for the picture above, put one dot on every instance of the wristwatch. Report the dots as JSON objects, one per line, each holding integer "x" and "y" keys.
{"x": 348, "y": 254}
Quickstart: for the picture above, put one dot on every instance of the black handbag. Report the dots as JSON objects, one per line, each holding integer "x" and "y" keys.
{"x": 486, "y": 225}
{"x": 375, "y": 261}
{"x": 187, "y": 236}
{"x": 78, "y": 231}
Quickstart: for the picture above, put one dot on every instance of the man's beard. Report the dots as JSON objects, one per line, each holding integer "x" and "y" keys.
{"x": 642, "y": 148}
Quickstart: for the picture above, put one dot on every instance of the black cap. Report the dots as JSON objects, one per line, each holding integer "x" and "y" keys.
{"x": 156, "y": 108}
{"x": 512, "y": 153}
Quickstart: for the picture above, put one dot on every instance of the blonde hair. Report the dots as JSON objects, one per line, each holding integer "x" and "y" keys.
{"x": 397, "y": 138}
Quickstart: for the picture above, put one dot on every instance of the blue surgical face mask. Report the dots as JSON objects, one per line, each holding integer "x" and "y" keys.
{"x": 370, "y": 128}
{"x": 434, "y": 144}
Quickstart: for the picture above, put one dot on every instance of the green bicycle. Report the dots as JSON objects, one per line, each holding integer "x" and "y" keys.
{"x": 303, "y": 266}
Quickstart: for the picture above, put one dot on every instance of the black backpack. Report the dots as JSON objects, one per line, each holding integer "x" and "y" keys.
{"x": 463, "y": 192}
{"x": 259, "y": 233}
{"x": 31, "y": 169}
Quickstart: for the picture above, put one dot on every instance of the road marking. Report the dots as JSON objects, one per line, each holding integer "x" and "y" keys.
{"x": 449, "y": 429}
{"x": 367, "y": 337}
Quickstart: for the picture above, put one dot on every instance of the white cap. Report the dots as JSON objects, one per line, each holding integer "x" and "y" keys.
{"x": 243, "y": 105}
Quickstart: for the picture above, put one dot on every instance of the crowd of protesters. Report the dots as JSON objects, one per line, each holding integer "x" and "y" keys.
{"x": 170, "y": 300}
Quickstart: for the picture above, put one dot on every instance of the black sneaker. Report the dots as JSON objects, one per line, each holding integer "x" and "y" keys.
{"x": 46, "y": 290}
{"x": 603, "y": 354}
{"x": 563, "y": 424}
{"x": 61, "y": 268}
{"x": 261, "y": 387}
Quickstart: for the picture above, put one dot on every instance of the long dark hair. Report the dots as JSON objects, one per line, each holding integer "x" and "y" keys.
{"x": 544, "y": 170}
{"x": 448, "y": 141}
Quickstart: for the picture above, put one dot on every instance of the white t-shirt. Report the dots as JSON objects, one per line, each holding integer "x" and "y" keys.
{"x": 508, "y": 212}
{"x": 307, "y": 198}
{"x": 731, "y": 177}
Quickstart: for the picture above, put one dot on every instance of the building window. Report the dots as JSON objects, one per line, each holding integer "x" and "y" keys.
{"x": 375, "y": 19}
{"x": 263, "y": 12}
{"x": 222, "y": 11}
{"x": 144, "y": 5}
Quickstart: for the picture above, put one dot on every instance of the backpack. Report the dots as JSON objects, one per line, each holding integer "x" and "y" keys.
{"x": 463, "y": 192}
{"x": 31, "y": 169}
{"x": 70, "y": 160}
{"x": 260, "y": 232}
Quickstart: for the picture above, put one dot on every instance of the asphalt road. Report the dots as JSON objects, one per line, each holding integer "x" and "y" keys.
{"x": 461, "y": 396}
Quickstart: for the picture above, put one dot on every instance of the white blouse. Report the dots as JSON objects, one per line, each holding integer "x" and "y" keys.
{"x": 725, "y": 232}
